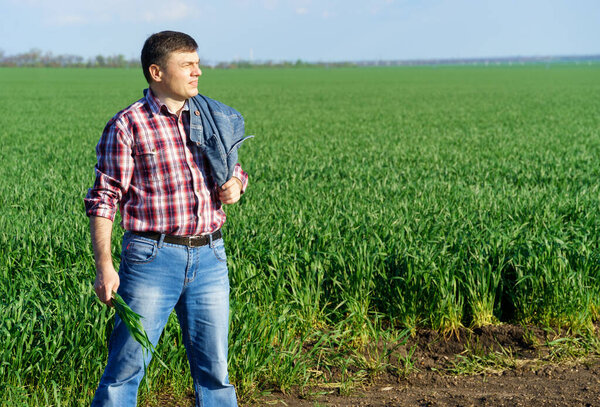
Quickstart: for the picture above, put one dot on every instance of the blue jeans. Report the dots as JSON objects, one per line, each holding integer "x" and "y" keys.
{"x": 155, "y": 278}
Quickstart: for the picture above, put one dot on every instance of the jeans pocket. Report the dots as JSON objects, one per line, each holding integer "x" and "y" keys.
{"x": 139, "y": 251}
{"x": 218, "y": 247}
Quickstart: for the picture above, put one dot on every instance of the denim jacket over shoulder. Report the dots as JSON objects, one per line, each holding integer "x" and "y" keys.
{"x": 218, "y": 130}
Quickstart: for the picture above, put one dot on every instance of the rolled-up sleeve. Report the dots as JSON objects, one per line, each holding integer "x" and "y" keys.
{"x": 113, "y": 170}
{"x": 241, "y": 175}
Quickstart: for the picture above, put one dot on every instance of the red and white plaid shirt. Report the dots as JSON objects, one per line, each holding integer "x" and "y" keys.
{"x": 148, "y": 166}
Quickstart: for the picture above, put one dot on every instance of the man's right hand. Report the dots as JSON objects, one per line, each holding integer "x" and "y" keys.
{"x": 107, "y": 281}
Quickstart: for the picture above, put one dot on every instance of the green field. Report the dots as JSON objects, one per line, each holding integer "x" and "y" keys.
{"x": 380, "y": 199}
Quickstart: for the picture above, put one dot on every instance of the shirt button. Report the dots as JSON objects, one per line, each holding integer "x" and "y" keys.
{"x": 197, "y": 113}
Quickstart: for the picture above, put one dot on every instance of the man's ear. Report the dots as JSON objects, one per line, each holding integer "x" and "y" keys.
{"x": 155, "y": 72}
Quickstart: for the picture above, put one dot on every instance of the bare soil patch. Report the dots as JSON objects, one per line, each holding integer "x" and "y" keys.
{"x": 552, "y": 385}
{"x": 500, "y": 365}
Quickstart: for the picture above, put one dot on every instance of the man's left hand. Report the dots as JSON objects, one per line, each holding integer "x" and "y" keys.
{"x": 230, "y": 192}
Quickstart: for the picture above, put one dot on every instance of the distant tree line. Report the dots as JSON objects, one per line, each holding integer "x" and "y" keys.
{"x": 280, "y": 64}
{"x": 38, "y": 58}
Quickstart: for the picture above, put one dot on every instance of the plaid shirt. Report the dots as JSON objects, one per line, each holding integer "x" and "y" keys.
{"x": 148, "y": 166}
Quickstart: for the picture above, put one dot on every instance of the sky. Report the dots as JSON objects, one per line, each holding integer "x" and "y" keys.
{"x": 310, "y": 30}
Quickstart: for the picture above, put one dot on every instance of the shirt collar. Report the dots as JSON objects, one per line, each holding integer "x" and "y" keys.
{"x": 156, "y": 105}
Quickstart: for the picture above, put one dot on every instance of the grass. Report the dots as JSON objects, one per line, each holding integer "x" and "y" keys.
{"x": 133, "y": 322}
{"x": 379, "y": 200}
{"x": 564, "y": 348}
{"x": 573, "y": 348}
{"x": 477, "y": 362}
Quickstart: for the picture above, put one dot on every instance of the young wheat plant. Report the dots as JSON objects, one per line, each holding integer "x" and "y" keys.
{"x": 132, "y": 321}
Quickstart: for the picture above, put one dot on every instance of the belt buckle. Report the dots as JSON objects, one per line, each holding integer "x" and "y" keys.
{"x": 194, "y": 241}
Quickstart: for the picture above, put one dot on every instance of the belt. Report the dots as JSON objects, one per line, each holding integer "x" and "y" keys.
{"x": 191, "y": 241}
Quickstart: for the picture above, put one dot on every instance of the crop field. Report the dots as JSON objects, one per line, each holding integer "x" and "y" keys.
{"x": 380, "y": 200}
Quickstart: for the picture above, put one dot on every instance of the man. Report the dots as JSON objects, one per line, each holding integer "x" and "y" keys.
{"x": 161, "y": 162}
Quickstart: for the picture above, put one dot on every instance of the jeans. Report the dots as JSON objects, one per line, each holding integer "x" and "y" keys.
{"x": 155, "y": 278}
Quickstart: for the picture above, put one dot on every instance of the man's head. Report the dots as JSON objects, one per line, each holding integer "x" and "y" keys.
{"x": 170, "y": 64}
{"x": 159, "y": 46}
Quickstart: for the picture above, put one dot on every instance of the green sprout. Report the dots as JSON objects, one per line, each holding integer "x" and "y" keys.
{"x": 132, "y": 321}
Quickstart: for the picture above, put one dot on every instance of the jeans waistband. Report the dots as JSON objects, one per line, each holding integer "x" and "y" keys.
{"x": 190, "y": 241}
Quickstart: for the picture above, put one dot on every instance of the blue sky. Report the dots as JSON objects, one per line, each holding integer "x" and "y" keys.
{"x": 326, "y": 30}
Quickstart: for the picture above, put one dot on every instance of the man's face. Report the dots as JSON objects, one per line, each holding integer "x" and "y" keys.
{"x": 179, "y": 76}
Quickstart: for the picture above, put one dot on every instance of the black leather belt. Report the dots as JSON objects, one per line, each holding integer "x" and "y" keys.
{"x": 191, "y": 241}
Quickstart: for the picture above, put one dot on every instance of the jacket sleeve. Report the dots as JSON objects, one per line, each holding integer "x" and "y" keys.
{"x": 113, "y": 171}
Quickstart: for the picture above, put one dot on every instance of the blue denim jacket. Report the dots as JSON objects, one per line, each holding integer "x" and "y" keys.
{"x": 218, "y": 130}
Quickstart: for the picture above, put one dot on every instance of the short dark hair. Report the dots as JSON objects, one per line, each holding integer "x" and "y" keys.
{"x": 158, "y": 46}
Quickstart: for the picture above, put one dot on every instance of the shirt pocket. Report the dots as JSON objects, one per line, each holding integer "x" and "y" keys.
{"x": 147, "y": 158}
